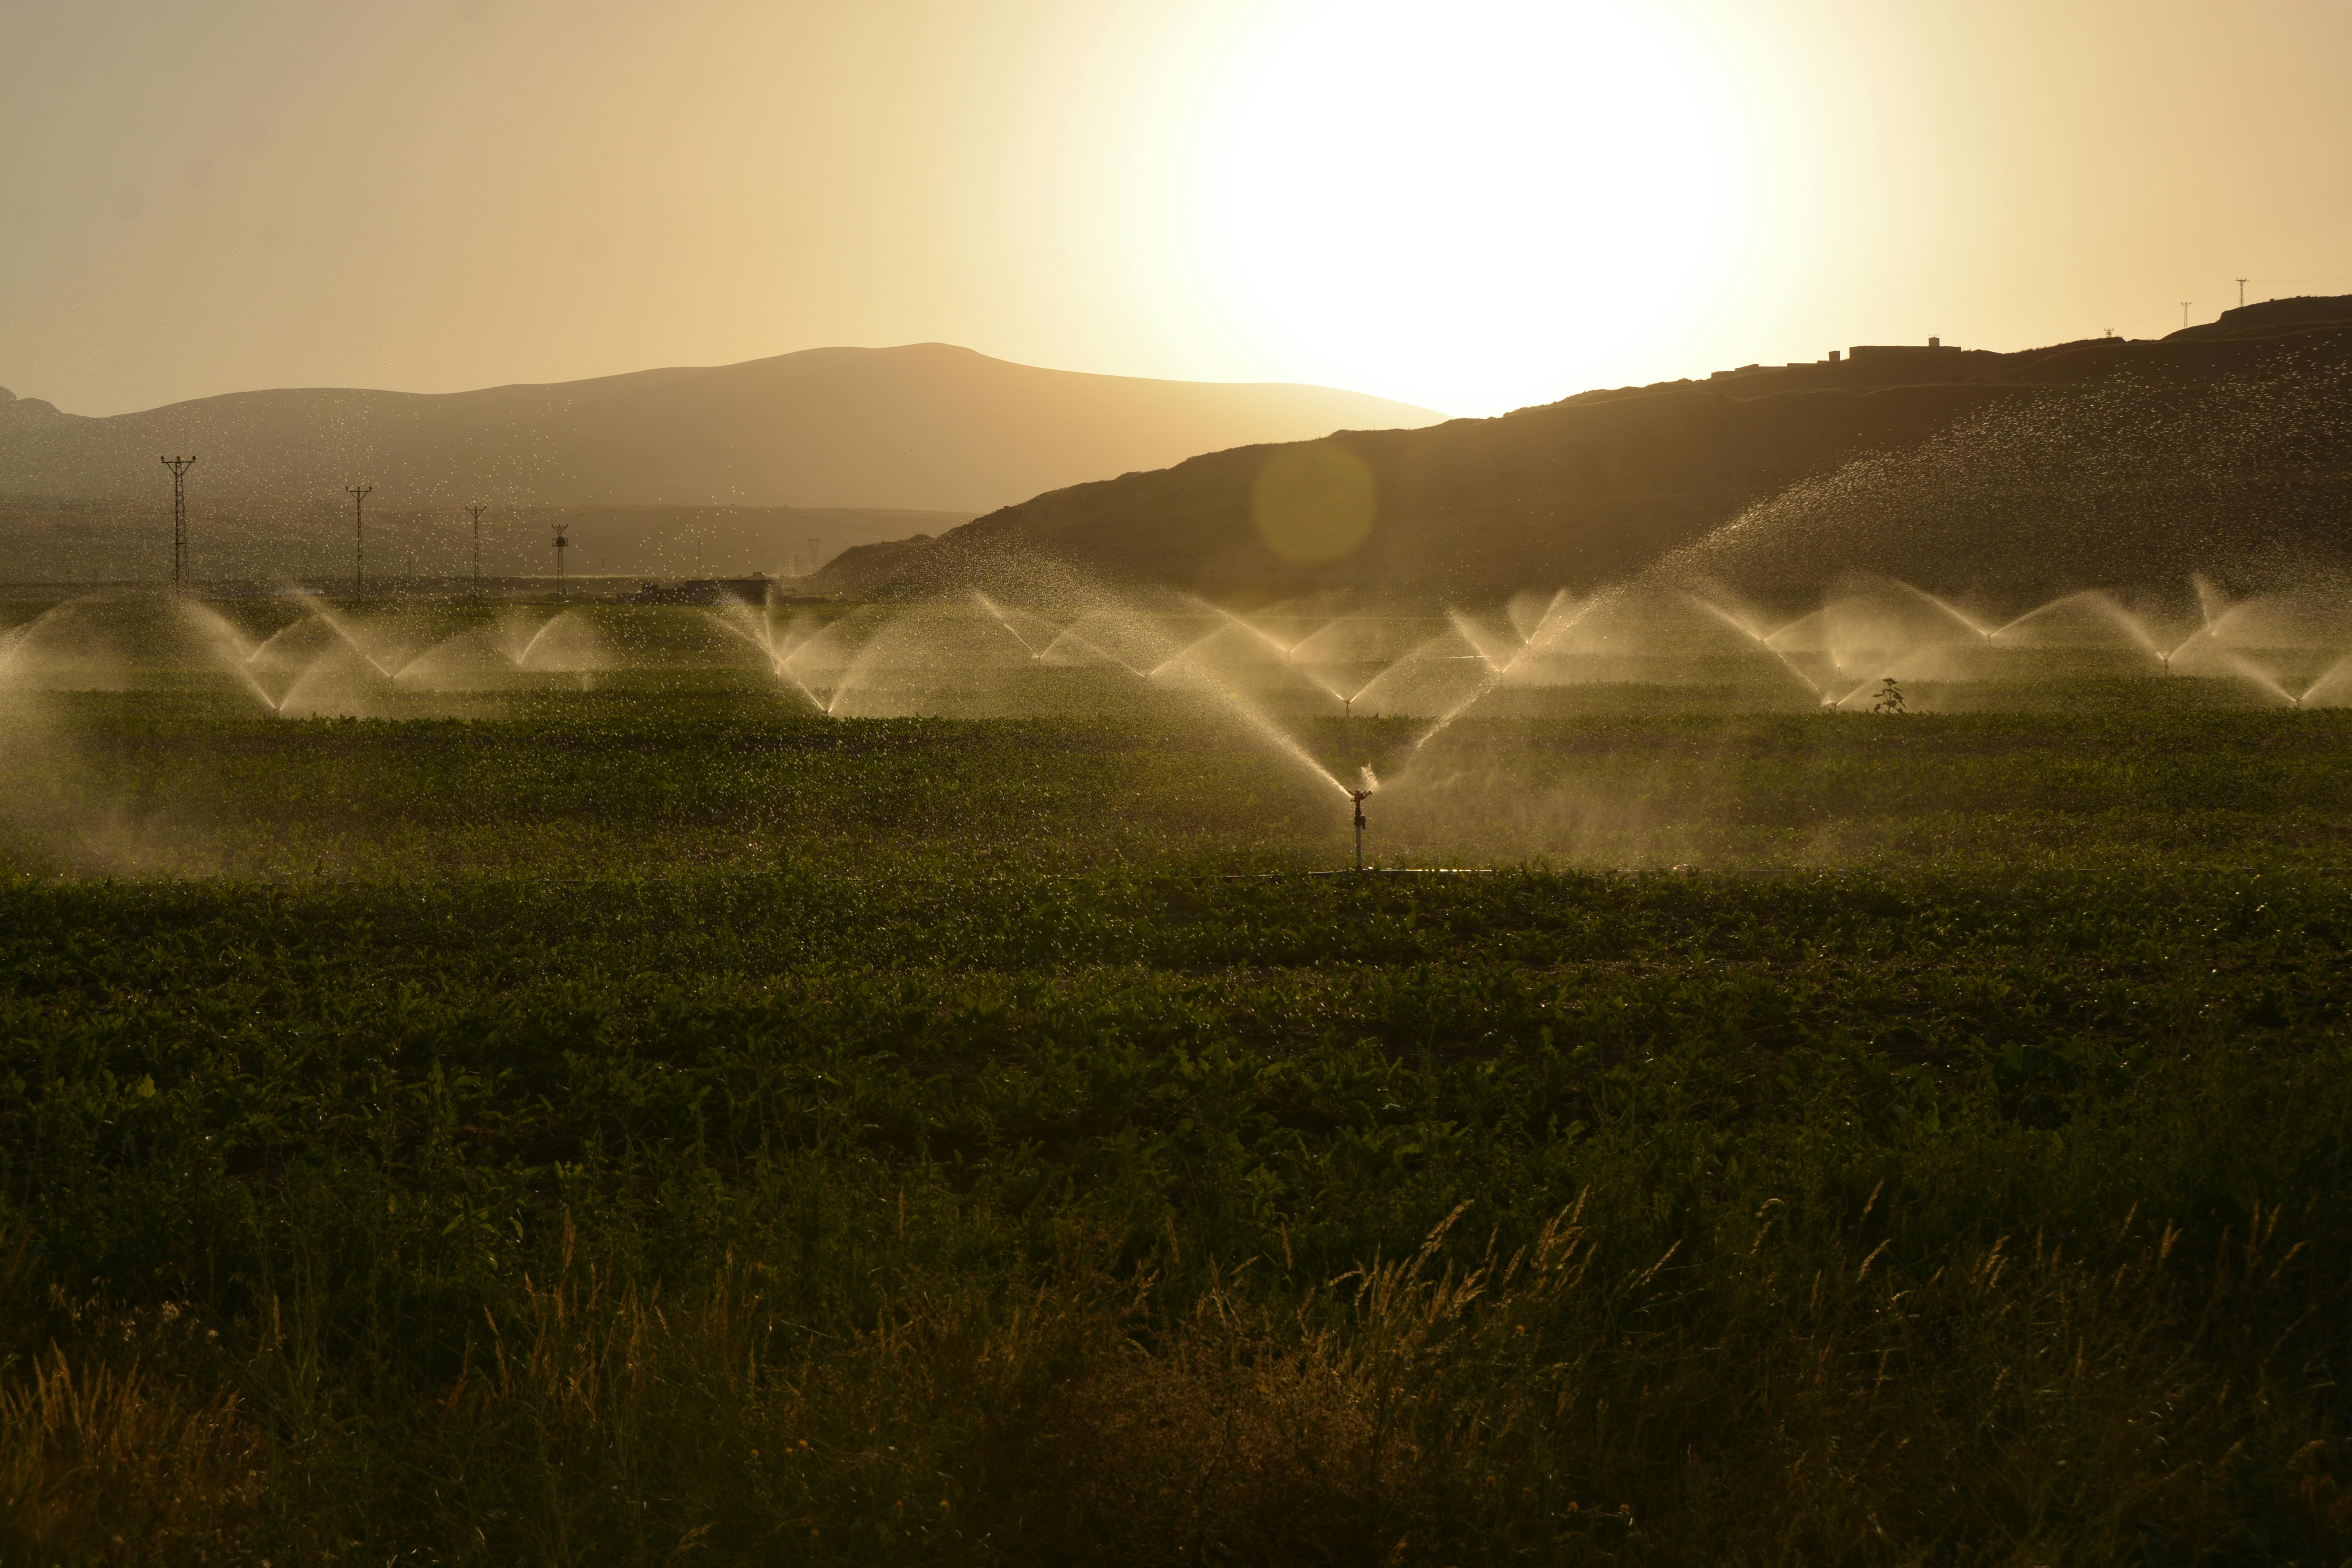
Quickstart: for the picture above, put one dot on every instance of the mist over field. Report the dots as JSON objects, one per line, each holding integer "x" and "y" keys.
{"x": 1553, "y": 783}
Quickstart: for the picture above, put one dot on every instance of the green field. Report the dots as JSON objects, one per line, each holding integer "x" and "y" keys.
{"x": 655, "y": 1123}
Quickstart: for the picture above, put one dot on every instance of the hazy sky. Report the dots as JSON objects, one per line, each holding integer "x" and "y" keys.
{"x": 1472, "y": 205}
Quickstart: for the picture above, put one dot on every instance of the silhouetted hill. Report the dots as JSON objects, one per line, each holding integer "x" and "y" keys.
{"x": 927, "y": 426}
{"x": 2102, "y": 457}
{"x": 2272, "y": 316}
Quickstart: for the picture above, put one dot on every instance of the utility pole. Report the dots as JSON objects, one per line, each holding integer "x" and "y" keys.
{"x": 2241, "y": 293}
{"x": 179, "y": 466}
{"x": 477, "y": 508}
{"x": 359, "y": 536}
{"x": 2184, "y": 313}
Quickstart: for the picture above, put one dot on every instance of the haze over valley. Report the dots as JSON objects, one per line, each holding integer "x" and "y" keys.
{"x": 847, "y": 439}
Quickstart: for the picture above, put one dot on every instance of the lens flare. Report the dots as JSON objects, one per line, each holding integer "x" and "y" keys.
{"x": 1314, "y": 504}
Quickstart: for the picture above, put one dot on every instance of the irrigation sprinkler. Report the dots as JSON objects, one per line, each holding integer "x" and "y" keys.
{"x": 1357, "y": 796}
{"x": 1347, "y": 708}
{"x": 561, "y": 540}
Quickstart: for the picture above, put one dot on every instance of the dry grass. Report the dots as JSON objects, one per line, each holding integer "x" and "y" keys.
{"x": 102, "y": 1462}
{"x": 1753, "y": 1400}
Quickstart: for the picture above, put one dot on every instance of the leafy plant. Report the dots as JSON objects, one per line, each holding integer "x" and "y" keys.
{"x": 659, "y": 1124}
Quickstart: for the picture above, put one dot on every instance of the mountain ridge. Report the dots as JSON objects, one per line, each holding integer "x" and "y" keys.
{"x": 923, "y": 427}
{"x": 2006, "y": 452}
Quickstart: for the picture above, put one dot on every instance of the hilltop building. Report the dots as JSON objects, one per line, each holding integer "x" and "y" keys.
{"x": 1904, "y": 357}
{"x": 1904, "y": 354}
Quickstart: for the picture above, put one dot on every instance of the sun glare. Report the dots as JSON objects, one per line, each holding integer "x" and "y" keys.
{"x": 1474, "y": 205}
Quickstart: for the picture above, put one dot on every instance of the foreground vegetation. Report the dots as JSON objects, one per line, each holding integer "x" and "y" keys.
{"x": 657, "y": 1123}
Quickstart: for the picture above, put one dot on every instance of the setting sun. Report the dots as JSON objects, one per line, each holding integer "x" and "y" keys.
{"x": 1475, "y": 203}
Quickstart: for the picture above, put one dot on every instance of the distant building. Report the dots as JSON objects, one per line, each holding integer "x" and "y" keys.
{"x": 1896, "y": 354}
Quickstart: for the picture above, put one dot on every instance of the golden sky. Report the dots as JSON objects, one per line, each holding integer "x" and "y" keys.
{"x": 1472, "y": 205}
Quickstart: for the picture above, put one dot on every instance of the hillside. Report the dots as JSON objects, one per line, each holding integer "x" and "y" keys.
{"x": 1973, "y": 468}
{"x": 2269, "y": 315}
{"x": 924, "y": 428}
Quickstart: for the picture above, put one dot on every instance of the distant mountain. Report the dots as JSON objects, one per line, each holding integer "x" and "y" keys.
{"x": 924, "y": 428}
{"x": 2097, "y": 460}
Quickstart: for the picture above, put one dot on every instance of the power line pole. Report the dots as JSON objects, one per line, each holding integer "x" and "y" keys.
{"x": 179, "y": 466}
{"x": 359, "y": 536}
{"x": 477, "y": 508}
{"x": 2241, "y": 293}
{"x": 2184, "y": 313}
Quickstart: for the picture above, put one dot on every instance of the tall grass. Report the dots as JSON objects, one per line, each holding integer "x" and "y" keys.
{"x": 1755, "y": 1360}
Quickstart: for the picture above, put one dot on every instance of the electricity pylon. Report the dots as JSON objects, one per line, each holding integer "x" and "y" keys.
{"x": 179, "y": 466}
{"x": 359, "y": 536}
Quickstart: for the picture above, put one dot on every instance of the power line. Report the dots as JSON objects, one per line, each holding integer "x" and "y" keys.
{"x": 179, "y": 466}
{"x": 359, "y": 536}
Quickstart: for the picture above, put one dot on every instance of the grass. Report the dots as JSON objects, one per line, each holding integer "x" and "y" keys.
{"x": 658, "y": 1125}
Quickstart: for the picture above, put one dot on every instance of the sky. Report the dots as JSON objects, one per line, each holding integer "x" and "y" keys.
{"x": 1472, "y": 205}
